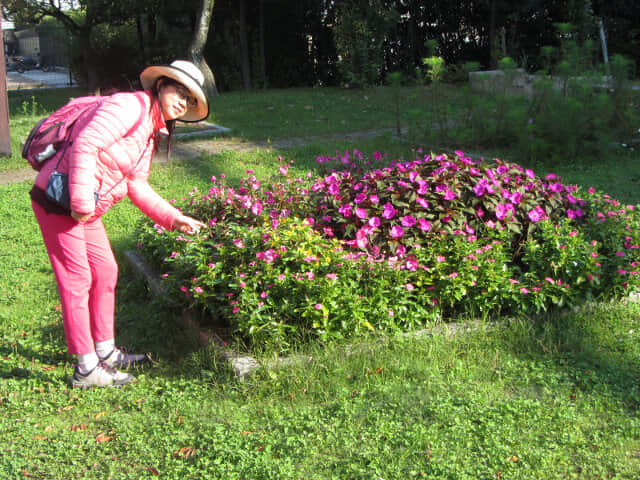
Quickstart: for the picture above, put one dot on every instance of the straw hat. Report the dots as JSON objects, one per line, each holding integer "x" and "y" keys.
{"x": 188, "y": 75}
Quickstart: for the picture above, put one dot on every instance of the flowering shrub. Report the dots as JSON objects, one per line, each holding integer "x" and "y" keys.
{"x": 393, "y": 247}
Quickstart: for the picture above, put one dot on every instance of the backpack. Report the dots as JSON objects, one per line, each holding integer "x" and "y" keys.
{"x": 52, "y": 133}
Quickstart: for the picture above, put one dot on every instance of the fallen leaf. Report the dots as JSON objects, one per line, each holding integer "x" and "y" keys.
{"x": 153, "y": 471}
{"x": 48, "y": 368}
{"x": 65, "y": 409}
{"x": 77, "y": 428}
{"x": 514, "y": 459}
{"x": 377, "y": 371}
{"x": 102, "y": 438}
{"x": 246, "y": 432}
{"x": 48, "y": 428}
{"x": 38, "y": 437}
{"x": 98, "y": 415}
{"x": 185, "y": 452}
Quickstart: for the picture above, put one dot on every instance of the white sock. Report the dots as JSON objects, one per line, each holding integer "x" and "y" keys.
{"x": 105, "y": 347}
{"x": 87, "y": 362}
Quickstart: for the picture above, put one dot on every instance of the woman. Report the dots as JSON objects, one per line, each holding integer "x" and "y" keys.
{"x": 110, "y": 154}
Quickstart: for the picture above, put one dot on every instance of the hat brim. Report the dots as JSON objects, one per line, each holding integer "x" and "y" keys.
{"x": 151, "y": 74}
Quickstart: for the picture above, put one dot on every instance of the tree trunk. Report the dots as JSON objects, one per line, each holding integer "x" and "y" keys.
{"x": 493, "y": 49}
{"x": 5, "y": 135}
{"x": 244, "y": 46}
{"x": 263, "y": 58}
{"x": 198, "y": 43}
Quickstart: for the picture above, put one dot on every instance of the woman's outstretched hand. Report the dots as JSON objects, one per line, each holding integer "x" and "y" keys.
{"x": 187, "y": 225}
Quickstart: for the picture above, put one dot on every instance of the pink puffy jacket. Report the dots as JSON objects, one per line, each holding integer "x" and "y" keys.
{"x": 104, "y": 150}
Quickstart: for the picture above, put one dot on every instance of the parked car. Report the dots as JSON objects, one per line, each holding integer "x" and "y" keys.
{"x": 21, "y": 64}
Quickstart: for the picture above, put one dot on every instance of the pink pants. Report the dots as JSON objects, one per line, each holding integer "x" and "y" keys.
{"x": 86, "y": 273}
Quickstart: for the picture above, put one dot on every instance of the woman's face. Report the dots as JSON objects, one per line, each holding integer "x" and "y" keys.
{"x": 175, "y": 100}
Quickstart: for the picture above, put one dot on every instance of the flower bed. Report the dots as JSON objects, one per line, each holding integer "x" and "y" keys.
{"x": 364, "y": 248}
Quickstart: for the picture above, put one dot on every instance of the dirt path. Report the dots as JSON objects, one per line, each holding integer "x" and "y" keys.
{"x": 185, "y": 150}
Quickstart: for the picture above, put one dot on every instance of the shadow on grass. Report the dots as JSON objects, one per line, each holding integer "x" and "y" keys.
{"x": 596, "y": 349}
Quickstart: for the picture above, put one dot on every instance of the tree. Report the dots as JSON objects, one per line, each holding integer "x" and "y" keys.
{"x": 196, "y": 49}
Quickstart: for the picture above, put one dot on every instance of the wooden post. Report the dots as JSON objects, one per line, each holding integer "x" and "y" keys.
{"x": 5, "y": 136}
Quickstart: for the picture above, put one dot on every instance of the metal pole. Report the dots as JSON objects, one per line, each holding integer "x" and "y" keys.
{"x": 605, "y": 53}
{"x": 5, "y": 136}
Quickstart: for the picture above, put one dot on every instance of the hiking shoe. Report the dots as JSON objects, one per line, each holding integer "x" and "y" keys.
{"x": 120, "y": 358}
{"x": 100, "y": 376}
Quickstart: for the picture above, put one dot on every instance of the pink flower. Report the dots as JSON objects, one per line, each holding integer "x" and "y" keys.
{"x": 318, "y": 306}
{"x": 388, "y": 211}
{"x": 449, "y": 195}
{"x": 238, "y": 243}
{"x": 424, "y": 224}
{"x": 409, "y": 287}
{"x": 264, "y": 295}
{"x": 422, "y": 202}
{"x": 537, "y": 214}
{"x": 620, "y": 254}
{"x": 331, "y": 276}
{"x": 524, "y": 290}
{"x": 440, "y": 258}
{"x": 361, "y": 213}
{"x": 198, "y": 290}
{"x": 408, "y": 221}
{"x": 374, "y": 222}
{"x": 397, "y": 231}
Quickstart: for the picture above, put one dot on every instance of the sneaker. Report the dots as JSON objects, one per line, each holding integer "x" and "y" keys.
{"x": 120, "y": 358}
{"x": 100, "y": 376}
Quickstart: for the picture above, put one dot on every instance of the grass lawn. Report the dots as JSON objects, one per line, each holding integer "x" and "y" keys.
{"x": 514, "y": 398}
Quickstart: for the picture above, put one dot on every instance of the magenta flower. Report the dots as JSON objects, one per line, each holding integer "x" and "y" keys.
{"x": 556, "y": 187}
{"x": 361, "y": 239}
{"x": 345, "y": 210}
{"x": 537, "y": 214}
{"x": 449, "y": 195}
{"x": 256, "y": 208}
{"x": 424, "y": 224}
{"x": 361, "y": 213}
{"x": 408, "y": 221}
{"x": 361, "y": 197}
{"x": 502, "y": 210}
{"x": 422, "y": 202}
{"x": 397, "y": 231}
{"x": 374, "y": 222}
{"x": 389, "y": 211}
{"x": 412, "y": 263}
